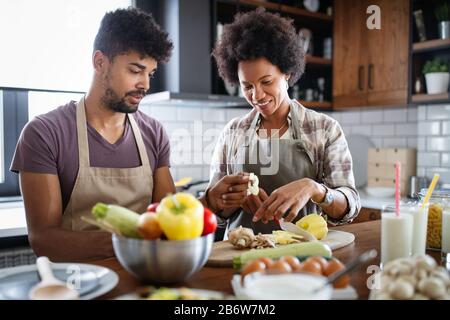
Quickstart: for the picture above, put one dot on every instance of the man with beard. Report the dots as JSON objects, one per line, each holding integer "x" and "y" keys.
{"x": 100, "y": 149}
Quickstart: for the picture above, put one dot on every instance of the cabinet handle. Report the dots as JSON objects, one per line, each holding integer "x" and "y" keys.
{"x": 370, "y": 76}
{"x": 360, "y": 78}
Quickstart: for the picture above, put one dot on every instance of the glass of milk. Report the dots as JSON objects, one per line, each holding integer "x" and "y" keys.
{"x": 420, "y": 222}
{"x": 396, "y": 235}
{"x": 445, "y": 249}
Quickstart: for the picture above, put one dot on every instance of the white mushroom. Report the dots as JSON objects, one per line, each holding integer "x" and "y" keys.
{"x": 425, "y": 262}
{"x": 420, "y": 274}
{"x": 410, "y": 278}
{"x": 419, "y": 296}
{"x": 432, "y": 287}
{"x": 401, "y": 290}
{"x": 442, "y": 274}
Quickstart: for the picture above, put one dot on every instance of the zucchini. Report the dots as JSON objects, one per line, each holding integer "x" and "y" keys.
{"x": 122, "y": 219}
{"x": 311, "y": 248}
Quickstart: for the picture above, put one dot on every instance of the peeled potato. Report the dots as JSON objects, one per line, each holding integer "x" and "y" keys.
{"x": 253, "y": 183}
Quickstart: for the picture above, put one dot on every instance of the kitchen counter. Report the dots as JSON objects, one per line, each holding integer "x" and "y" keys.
{"x": 12, "y": 219}
{"x": 369, "y": 201}
{"x": 367, "y": 236}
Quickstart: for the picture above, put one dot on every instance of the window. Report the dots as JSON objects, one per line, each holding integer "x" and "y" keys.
{"x": 2, "y": 134}
{"x": 48, "y": 63}
{"x": 14, "y": 114}
{"x": 50, "y": 42}
{"x": 42, "y": 102}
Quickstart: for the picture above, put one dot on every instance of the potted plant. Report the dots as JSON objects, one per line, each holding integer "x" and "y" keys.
{"x": 436, "y": 76}
{"x": 442, "y": 13}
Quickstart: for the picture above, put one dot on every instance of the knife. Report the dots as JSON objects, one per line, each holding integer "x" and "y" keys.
{"x": 290, "y": 227}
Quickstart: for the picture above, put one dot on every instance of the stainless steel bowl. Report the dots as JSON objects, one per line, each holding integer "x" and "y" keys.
{"x": 162, "y": 261}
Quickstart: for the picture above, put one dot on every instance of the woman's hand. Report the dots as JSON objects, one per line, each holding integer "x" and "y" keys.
{"x": 228, "y": 192}
{"x": 252, "y": 203}
{"x": 292, "y": 197}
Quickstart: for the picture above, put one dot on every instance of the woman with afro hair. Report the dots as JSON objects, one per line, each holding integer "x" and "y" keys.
{"x": 300, "y": 156}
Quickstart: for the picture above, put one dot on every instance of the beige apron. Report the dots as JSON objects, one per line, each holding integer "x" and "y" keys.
{"x": 128, "y": 187}
{"x": 291, "y": 157}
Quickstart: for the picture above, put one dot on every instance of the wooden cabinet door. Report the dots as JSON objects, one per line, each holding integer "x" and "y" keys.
{"x": 388, "y": 54}
{"x": 349, "y": 54}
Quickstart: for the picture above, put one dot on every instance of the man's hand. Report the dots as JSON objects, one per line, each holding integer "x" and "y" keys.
{"x": 228, "y": 192}
{"x": 292, "y": 197}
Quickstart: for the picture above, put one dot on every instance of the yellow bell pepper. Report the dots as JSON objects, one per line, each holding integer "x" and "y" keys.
{"x": 180, "y": 216}
{"x": 314, "y": 224}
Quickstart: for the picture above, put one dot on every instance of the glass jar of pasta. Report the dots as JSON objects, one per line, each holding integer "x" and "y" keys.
{"x": 439, "y": 201}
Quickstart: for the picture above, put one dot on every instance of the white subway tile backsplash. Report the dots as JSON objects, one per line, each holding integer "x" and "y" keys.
{"x": 347, "y": 129}
{"x": 428, "y": 159}
{"x": 409, "y": 129}
{"x": 378, "y": 142}
{"x": 174, "y": 173}
{"x": 438, "y": 144}
{"x": 214, "y": 114}
{"x": 372, "y": 116}
{"x": 206, "y": 172}
{"x": 421, "y": 172}
{"x": 438, "y": 112}
{"x": 364, "y": 130}
{"x": 220, "y": 126}
{"x": 421, "y": 144}
{"x": 177, "y": 128}
{"x": 412, "y": 114}
{"x": 412, "y": 143}
{"x": 383, "y": 130}
{"x": 145, "y": 108}
{"x": 163, "y": 113}
{"x": 445, "y": 159}
{"x": 395, "y": 115}
{"x": 446, "y": 128}
{"x": 236, "y": 112}
{"x": 189, "y": 114}
{"x": 444, "y": 174}
{"x": 336, "y": 116}
{"x": 429, "y": 128}
{"x": 394, "y": 143}
{"x": 350, "y": 117}
{"x": 195, "y": 172}
{"x": 422, "y": 113}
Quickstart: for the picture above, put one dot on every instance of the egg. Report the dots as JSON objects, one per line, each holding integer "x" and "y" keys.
{"x": 334, "y": 266}
{"x": 320, "y": 260}
{"x": 310, "y": 267}
{"x": 279, "y": 267}
{"x": 267, "y": 261}
{"x": 293, "y": 262}
{"x": 253, "y": 266}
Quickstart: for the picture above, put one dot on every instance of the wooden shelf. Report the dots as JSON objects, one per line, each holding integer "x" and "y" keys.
{"x": 284, "y": 8}
{"x": 431, "y": 45}
{"x": 421, "y": 98}
{"x": 317, "y": 60}
{"x": 316, "y": 104}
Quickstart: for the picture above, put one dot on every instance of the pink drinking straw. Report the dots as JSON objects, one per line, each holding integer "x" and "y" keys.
{"x": 397, "y": 188}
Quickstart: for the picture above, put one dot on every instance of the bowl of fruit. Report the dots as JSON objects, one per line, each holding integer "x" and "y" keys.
{"x": 167, "y": 244}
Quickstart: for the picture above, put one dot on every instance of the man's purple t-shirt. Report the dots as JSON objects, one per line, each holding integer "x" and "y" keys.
{"x": 48, "y": 144}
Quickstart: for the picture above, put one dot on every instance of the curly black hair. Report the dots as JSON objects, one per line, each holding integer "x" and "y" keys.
{"x": 132, "y": 29}
{"x": 257, "y": 34}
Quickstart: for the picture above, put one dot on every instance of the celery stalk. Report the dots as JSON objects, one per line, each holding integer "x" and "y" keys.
{"x": 311, "y": 248}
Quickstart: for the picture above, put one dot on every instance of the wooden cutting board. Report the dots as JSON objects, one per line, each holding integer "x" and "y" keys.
{"x": 223, "y": 251}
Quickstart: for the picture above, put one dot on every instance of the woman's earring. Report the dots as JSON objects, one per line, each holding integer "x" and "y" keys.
{"x": 287, "y": 85}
